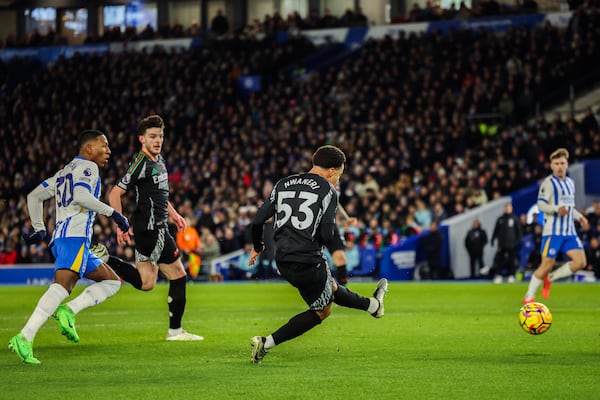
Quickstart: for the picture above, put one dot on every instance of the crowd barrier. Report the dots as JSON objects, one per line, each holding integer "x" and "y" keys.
{"x": 30, "y": 274}
{"x": 27, "y": 274}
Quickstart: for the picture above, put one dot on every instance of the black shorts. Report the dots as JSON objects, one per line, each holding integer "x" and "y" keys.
{"x": 157, "y": 246}
{"x": 313, "y": 281}
{"x": 337, "y": 242}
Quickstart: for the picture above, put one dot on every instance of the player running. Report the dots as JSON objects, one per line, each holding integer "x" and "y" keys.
{"x": 76, "y": 190}
{"x": 556, "y": 199}
{"x": 155, "y": 248}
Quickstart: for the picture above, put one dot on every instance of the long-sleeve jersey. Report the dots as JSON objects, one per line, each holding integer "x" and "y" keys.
{"x": 304, "y": 207}
{"x": 553, "y": 194}
{"x": 76, "y": 190}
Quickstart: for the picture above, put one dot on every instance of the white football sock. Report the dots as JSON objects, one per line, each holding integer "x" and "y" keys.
{"x": 94, "y": 294}
{"x": 561, "y": 272}
{"x": 534, "y": 285}
{"x": 174, "y": 332}
{"x": 46, "y": 306}
{"x": 269, "y": 342}
{"x": 373, "y": 305}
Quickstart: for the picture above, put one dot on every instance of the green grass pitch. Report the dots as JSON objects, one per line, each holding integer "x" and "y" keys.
{"x": 437, "y": 341}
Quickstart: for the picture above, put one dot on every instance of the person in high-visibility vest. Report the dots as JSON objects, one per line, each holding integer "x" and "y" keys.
{"x": 189, "y": 243}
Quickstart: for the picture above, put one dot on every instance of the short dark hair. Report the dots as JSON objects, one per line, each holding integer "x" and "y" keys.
{"x": 329, "y": 157}
{"x": 87, "y": 136}
{"x": 151, "y": 121}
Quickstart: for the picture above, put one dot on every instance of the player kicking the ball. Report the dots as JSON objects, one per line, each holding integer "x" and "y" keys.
{"x": 304, "y": 207}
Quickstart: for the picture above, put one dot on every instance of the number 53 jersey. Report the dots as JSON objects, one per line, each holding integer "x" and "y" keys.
{"x": 300, "y": 204}
{"x": 72, "y": 220}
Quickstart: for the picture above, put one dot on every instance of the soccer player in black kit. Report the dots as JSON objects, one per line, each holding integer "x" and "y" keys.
{"x": 304, "y": 209}
{"x": 155, "y": 247}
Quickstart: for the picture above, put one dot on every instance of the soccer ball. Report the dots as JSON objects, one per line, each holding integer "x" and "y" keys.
{"x": 535, "y": 318}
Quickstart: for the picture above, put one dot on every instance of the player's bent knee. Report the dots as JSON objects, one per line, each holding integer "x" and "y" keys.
{"x": 147, "y": 286}
{"x": 324, "y": 313}
{"x": 578, "y": 264}
{"x": 112, "y": 286}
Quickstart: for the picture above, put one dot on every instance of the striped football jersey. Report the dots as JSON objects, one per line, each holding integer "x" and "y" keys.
{"x": 71, "y": 219}
{"x": 558, "y": 192}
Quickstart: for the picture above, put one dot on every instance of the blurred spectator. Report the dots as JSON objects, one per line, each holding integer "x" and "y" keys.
{"x": 475, "y": 242}
{"x": 479, "y": 196}
{"x": 528, "y": 227}
{"x": 352, "y": 253}
{"x": 241, "y": 270}
{"x": 370, "y": 187}
{"x": 535, "y": 258}
{"x": 593, "y": 256}
{"x": 585, "y": 233}
{"x": 593, "y": 215}
{"x": 589, "y": 123}
{"x": 432, "y": 245}
{"x": 228, "y": 241}
{"x": 219, "y": 24}
{"x": 463, "y": 11}
{"x": 508, "y": 233}
{"x": 9, "y": 254}
{"x": 409, "y": 227}
{"x": 423, "y": 215}
{"x": 439, "y": 213}
{"x": 38, "y": 254}
{"x": 189, "y": 243}
{"x": 210, "y": 251}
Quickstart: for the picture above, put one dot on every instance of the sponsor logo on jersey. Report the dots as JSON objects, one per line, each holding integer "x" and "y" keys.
{"x": 160, "y": 178}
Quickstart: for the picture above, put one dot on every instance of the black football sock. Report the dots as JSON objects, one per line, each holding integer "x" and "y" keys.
{"x": 176, "y": 301}
{"x": 296, "y": 326}
{"x": 126, "y": 271}
{"x": 342, "y": 274}
{"x": 347, "y": 298}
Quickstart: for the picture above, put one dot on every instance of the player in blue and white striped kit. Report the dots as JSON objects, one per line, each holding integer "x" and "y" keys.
{"x": 556, "y": 199}
{"x": 76, "y": 190}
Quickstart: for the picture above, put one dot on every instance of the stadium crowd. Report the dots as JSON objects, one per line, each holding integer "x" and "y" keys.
{"x": 275, "y": 22}
{"x": 402, "y": 111}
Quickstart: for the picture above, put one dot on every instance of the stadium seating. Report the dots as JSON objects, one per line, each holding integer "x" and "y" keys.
{"x": 398, "y": 107}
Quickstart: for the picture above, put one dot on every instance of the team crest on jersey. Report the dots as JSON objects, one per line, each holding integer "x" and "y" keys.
{"x": 552, "y": 253}
{"x": 87, "y": 172}
{"x": 127, "y": 179}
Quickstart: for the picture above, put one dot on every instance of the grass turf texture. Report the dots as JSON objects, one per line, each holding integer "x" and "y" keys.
{"x": 436, "y": 341}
